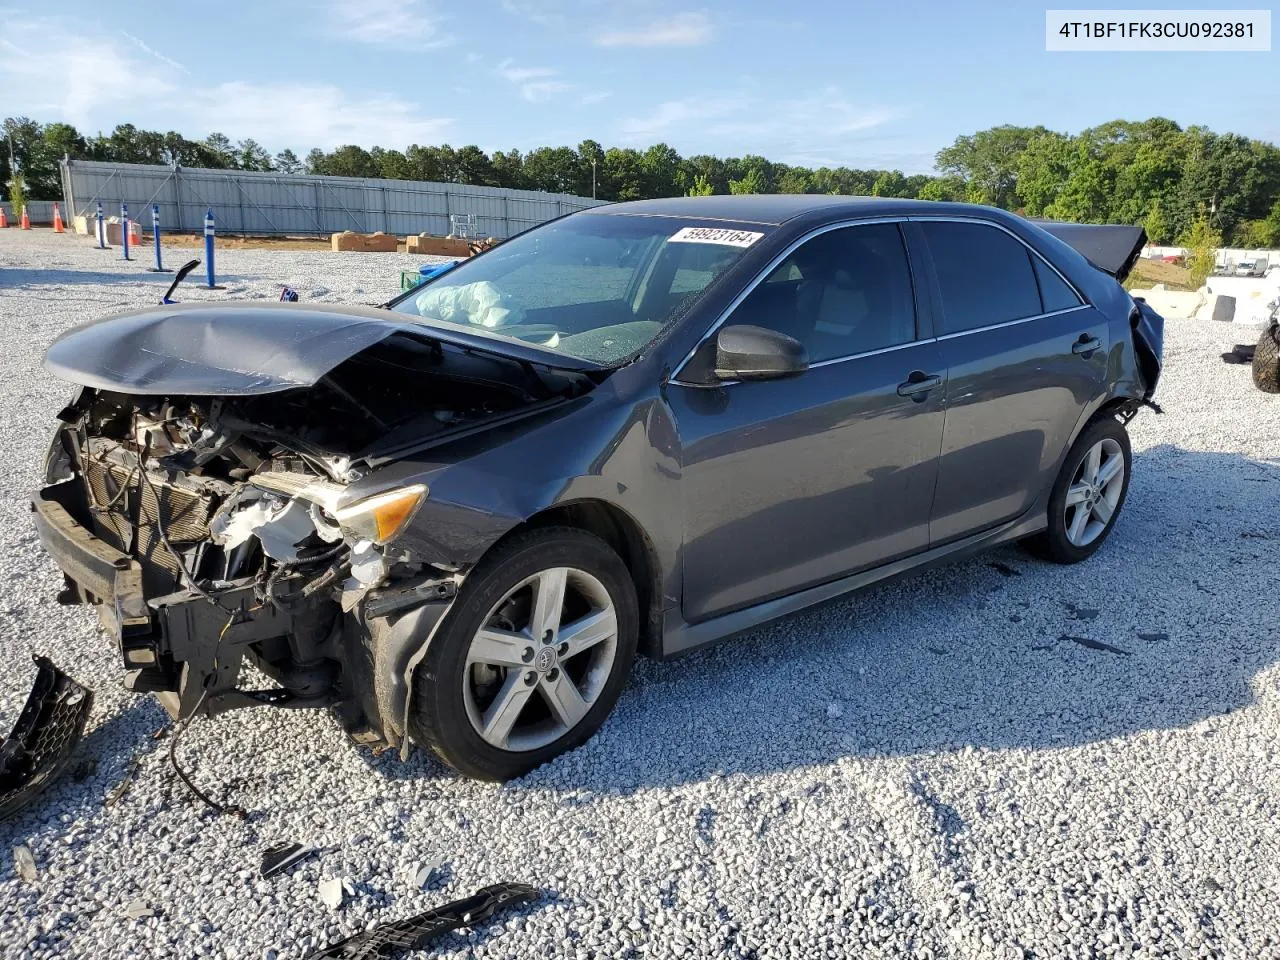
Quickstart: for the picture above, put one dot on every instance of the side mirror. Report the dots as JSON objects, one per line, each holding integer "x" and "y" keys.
{"x": 757, "y": 353}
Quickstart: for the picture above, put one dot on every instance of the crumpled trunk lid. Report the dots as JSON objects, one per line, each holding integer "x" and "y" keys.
{"x": 1112, "y": 248}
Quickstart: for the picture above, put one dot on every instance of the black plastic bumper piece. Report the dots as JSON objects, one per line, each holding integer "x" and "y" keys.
{"x": 43, "y": 739}
{"x": 101, "y": 573}
{"x": 414, "y": 933}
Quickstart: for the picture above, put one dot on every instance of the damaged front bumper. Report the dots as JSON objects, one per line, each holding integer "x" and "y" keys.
{"x": 188, "y": 647}
{"x": 44, "y": 737}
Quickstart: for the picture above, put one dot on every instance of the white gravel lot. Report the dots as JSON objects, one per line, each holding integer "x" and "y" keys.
{"x": 933, "y": 768}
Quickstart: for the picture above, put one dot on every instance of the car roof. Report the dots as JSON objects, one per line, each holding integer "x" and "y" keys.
{"x": 777, "y": 208}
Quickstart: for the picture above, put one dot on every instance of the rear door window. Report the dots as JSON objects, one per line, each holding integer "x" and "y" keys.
{"x": 984, "y": 275}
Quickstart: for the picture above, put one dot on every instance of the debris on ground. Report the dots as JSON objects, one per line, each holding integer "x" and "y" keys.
{"x": 281, "y": 856}
{"x": 414, "y": 933}
{"x": 1094, "y": 644}
{"x": 138, "y": 910}
{"x": 426, "y": 870}
{"x": 24, "y": 862}
{"x": 120, "y": 789}
{"x": 334, "y": 892}
{"x": 44, "y": 737}
{"x": 1080, "y": 613}
{"x": 1004, "y": 568}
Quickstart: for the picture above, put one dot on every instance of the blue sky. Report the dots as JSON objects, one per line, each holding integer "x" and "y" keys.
{"x": 860, "y": 84}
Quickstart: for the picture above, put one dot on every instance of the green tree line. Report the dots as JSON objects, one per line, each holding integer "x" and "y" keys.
{"x": 1152, "y": 172}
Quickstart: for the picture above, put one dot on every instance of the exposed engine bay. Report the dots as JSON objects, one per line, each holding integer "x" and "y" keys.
{"x": 234, "y": 517}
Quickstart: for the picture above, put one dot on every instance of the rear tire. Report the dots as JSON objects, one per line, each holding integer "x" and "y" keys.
{"x": 1096, "y": 493}
{"x": 510, "y": 682}
{"x": 1266, "y": 360}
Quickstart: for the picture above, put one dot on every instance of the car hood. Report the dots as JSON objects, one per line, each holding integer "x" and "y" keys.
{"x": 241, "y": 349}
{"x": 1112, "y": 248}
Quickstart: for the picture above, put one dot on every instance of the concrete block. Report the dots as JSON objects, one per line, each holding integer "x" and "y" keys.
{"x": 427, "y": 245}
{"x": 365, "y": 242}
{"x": 113, "y": 227}
{"x": 1172, "y": 304}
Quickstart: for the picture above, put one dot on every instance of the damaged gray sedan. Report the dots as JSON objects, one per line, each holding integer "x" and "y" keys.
{"x": 643, "y": 427}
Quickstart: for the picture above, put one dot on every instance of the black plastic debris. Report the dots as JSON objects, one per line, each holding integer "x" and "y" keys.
{"x": 413, "y": 933}
{"x": 281, "y": 856}
{"x": 1240, "y": 353}
{"x": 1094, "y": 645}
{"x": 48, "y": 729}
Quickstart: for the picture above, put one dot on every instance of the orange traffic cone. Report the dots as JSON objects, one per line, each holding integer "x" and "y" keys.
{"x": 57, "y": 220}
{"x": 25, "y": 223}
{"x": 4, "y": 221}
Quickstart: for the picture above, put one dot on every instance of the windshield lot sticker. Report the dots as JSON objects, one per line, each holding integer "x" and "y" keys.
{"x": 730, "y": 238}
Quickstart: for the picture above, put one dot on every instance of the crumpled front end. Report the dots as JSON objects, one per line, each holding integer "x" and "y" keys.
{"x": 207, "y": 548}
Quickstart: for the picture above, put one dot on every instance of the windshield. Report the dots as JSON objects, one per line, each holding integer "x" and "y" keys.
{"x": 596, "y": 287}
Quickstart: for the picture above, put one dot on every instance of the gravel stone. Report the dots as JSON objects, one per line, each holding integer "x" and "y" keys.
{"x": 986, "y": 791}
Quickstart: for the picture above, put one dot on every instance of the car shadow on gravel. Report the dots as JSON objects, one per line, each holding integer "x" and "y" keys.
{"x": 1160, "y": 630}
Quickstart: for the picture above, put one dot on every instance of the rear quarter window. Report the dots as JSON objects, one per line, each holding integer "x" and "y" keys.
{"x": 984, "y": 275}
{"x": 1054, "y": 291}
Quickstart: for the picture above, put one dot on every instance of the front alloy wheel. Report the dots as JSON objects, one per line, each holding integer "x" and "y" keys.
{"x": 532, "y": 656}
{"x": 541, "y": 660}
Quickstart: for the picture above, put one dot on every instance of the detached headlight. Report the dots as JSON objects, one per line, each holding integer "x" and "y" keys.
{"x": 381, "y": 517}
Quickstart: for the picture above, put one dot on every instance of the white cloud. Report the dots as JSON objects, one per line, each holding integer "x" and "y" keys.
{"x": 520, "y": 74}
{"x": 536, "y": 84}
{"x": 789, "y": 129}
{"x": 682, "y": 30}
{"x": 675, "y": 115}
{"x": 142, "y": 45}
{"x": 312, "y": 115}
{"x": 388, "y": 23}
{"x": 598, "y": 96}
{"x": 71, "y": 81}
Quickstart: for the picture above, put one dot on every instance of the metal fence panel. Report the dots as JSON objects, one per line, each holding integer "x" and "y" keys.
{"x": 38, "y": 211}
{"x": 277, "y": 204}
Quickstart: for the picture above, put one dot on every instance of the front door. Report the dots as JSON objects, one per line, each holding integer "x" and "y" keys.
{"x": 790, "y": 483}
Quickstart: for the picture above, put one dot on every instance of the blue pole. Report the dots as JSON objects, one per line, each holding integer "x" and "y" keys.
{"x": 155, "y": 233}
{"x": 208, "y": 249}
{"x": 102, "y": 233}
{"x": 124, "y": 222}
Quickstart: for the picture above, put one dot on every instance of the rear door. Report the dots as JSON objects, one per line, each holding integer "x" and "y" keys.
{"x": 790, "y": 483}
{"x": 1024, "y": 356}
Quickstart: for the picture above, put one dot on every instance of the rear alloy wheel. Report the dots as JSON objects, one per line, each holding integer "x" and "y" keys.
{"x": 533, "y": 656}
{"x": 1088, "y": 494}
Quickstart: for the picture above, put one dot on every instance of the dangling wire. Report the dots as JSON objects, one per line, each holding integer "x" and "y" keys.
{"x": 183, "y": 722}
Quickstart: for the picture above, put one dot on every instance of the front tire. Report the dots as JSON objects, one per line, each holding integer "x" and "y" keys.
{"x": 532, "y": 657}
{"x": 1088, "y": 495}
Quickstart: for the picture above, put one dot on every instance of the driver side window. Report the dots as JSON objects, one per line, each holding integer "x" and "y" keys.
{"x": 845, "y": 292}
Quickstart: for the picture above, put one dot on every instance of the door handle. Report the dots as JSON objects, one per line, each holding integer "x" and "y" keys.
{"x": 1086, "y": 345}
{"x": 918, "y": 384}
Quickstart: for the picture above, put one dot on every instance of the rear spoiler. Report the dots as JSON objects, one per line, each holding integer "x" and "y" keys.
{"x": 1112, "y": 248}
